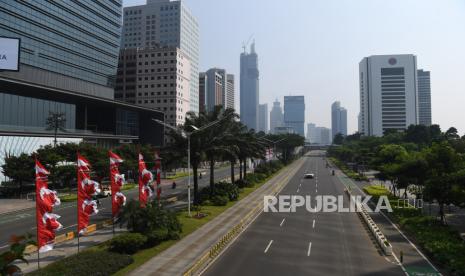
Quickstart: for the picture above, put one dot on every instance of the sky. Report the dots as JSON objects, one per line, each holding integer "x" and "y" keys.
{"x": 313, "y": 47}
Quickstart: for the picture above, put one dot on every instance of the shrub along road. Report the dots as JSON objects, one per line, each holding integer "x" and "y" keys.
{"x": 23, "y": 222}
{"x": 303, "y": 243}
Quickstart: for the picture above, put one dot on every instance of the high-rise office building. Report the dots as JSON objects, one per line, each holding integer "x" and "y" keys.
{"x": 219, "y": 89}
{"x": 158, "y": 78}
{"x": 263, "y": 118}
{"x": 325, "y": 135}
{"x": 294, "y": 113}
{"x": 338, "y": 119}
{"x": 424, "y": 97}
{"x": 230, "y": 92}
{"x": 69, "y": 45}
{"x": 249, "y": 88}
{"x": 388, "y": 93}
{"x": 162, "y": 23}
{"x": 68, "y": 61}
{"x": 216, "y": 88}
{"x": 311, "y": 133}
{"x": 276, "y": 116}
{"x": 203, "y": 91}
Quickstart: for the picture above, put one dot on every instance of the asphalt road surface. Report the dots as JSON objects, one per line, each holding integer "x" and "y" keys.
{"x": 22, "y": 222}
{"x": 305, "y": 243}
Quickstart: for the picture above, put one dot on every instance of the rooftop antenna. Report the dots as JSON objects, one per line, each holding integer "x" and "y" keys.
{"x": 245, "y": 44}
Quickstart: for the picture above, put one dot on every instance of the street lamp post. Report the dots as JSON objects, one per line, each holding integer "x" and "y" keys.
{"x": 188, "y": 137}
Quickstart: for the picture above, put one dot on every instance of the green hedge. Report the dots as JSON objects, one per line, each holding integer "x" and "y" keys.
{"x": 86, "y": 263}
{"x": 443, "y": 244}
{"x": 127, "y": 243}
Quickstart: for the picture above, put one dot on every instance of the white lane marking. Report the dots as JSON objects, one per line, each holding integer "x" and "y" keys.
{"x": 313, "y": 224}
{"x": 309, "y": 249}
{"x": 316, "y": 190}
{"x": 298, "y": 189}
{"x": 3, "y": 246}
{"x": 268, "y": 246}
{"x": 281, "y": 224}
{"x": 398, "y": 230}
{"x": 300, "y": 185}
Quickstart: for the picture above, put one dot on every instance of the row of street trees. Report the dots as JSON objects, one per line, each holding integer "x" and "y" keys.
{"x": 424, "y": 160}
{"x": 228, "y": 140}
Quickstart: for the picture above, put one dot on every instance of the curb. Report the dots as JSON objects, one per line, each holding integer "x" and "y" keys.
{"x": 211, "y": 254}
{"x": 71, "y": 235}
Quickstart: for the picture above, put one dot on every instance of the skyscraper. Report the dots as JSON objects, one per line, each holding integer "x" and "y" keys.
{"x": 276, "y": 116}
{"x": 68, "y": 63}
{"x": 388, "y": 93}
{"x": 294, "y": 113}
{"x": 338, "y": 119}
{"x": 70, "y": 45}
{"x": 219, "y": 89}
{"x": 249, "y": 86}
{"x": 160, "y": 82}
{"x": 311, "y": 133}
{"x": 203, "y": 91}
{"x": 230, "y": 92}
{"x": 424, "y": 97}
{"x": 162, "y": 23}
{"x": 216, "y": 88}
{"x": 263, "y": 118}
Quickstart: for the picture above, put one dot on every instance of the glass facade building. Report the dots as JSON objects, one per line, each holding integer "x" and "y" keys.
{"x": 294, "y": 113}
{"x": 79, "y": 39}
{"x": 30, "y": 113}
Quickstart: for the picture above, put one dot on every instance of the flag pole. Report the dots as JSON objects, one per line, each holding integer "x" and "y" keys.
{"x": 77, "y": 204}
{"x": 37, "y": 222}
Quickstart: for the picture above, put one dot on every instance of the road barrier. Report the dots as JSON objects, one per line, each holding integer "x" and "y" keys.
{"x": 379, "y": 236}
{"x": 70, "y": 235}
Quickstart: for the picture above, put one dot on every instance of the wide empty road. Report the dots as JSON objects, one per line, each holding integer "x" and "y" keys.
{"x": 304, "y": 243}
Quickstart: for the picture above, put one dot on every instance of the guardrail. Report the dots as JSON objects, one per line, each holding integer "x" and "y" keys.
{"x": 379, "y": 236}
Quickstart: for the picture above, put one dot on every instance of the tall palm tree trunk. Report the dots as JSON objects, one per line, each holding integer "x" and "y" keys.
{"x": 196, "y": 184}
{"x": 212, "y": 176}
{"x": 240, "y": 169}
{"x": 232, "y": 170}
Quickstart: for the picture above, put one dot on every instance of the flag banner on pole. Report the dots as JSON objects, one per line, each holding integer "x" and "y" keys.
{"x": 46, "y": 199}
{"x": 145, "y": 180}
{"x": 117, "y": 181}
{"x": 158, "y": 173}
{"x": 87, "y": 188}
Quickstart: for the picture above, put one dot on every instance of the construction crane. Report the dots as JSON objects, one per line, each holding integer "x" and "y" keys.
{"x": 245, "y": 44}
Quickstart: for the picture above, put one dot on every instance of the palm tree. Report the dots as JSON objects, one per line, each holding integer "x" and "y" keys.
{"x": 56, "y": 121}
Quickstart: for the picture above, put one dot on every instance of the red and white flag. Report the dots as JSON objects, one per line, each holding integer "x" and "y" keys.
{"x": 87, "y": 188}
{"x": 145, "y": 180}
{"x": 158, "y": 172}
{"x": 46, "y": 199}
{"x": 117, "y": 181}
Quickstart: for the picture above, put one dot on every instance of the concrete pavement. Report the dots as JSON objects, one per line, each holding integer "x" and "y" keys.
{"x": 304, "y": 243}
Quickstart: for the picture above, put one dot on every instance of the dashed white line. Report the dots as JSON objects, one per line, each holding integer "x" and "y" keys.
{"x": 298, "y": 189}
{"x": 268, "y": 246}
{"x": 313, "y": 224}
{"x": 281, "y": 224}
{"x": 309, "y": 249}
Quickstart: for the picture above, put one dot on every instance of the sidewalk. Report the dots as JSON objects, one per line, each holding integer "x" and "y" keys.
{"x": 414, "y": 261}
{"x": 68, "y": 248}
{"x": 14, "y": 205}
{"x": 179, "y": 257}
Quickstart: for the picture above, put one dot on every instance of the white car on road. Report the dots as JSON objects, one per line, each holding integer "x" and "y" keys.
{"x": 309, "y": 175}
